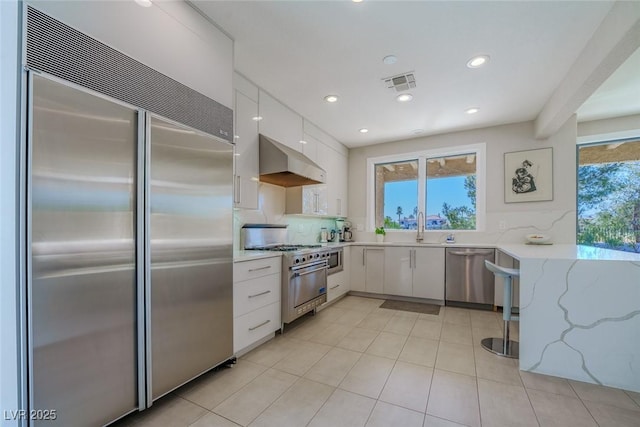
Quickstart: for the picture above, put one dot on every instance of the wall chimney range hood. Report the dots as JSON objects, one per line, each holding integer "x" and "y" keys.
{"x": 286, "y": 167}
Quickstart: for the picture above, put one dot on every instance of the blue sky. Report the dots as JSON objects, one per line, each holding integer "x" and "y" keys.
{"x": 439, "y": 190}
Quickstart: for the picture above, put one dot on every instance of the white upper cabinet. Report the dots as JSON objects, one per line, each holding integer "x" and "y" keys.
{"x": 246, "y": 158}
{"x": 279, "y": 122}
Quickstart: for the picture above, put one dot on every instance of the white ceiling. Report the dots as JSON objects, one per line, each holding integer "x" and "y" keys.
{"x": 300, "y": 51}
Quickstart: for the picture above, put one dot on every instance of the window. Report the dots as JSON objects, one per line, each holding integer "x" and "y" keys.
{"x": 609, "y": 195}
{"x": 446, "y": 186}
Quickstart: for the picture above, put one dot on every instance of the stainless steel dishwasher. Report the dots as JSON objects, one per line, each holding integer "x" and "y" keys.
{"x": 466, "y": 278}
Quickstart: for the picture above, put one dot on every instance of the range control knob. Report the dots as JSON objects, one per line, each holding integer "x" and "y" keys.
{"x": 297, "y": 260}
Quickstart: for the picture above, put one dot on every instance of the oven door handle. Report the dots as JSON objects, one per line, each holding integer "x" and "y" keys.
{"x": 296, "y": 274}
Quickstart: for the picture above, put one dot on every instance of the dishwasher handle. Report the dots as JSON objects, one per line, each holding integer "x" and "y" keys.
{"x": 470, "y": 253}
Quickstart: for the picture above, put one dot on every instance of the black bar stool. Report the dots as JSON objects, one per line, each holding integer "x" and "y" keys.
{"x": 503, "y": 346}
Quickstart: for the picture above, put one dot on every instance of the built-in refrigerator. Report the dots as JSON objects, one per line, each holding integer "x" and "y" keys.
{"x": 129, "y": 254}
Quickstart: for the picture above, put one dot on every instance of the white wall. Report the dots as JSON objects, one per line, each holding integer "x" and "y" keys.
{"x": 556, "y": 217}
{"x": 170, "y": 37}
{"x": 609, "y": 129}
{"x": 9, "y": 66}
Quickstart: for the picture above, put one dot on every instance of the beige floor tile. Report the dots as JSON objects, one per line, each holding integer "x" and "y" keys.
{"x": 407, "y": 314}
{"x": 554, "y": 410}
{"x": 343, "y": 409}
{"x": 499, "y": 372}
{"x": 483, "y": 316}
{"x": 419, "y": 351}
{"x": 457, "y": 316}
{"x": 213, "y": 388}
{"x": 401, "y": 325}
{"x": 612, "y": 416}
{"x": 478, "y": 334}
{"x": 376, "y": 320}
{"x": 331, "y": 313}
{"x": 333, "y": 367}
{"x": 457, "y": 334}
{"x": 213, "y": 420}
{"x": 270, "y": 353}
{"x": 456, "y": 358}
{"x": 427, "y": 329}
{"x": 368, "y": 376}
{"x": 359, "y": 303}
{"x": 454, "y": 397}
{"x": 604, "y": 395}
{"x": 408, "y": 386}
{"x": 358, "y": 339}
{"x": 296, "y": 406}
{"x": 634, "y": 395}
{"x": 307, "y": 328}
{"x": 431, "y": 421}
{"x": 331, "y": 334}
{"x": 387, "y": 345}
{"x": 351, "y": 318}
{"x": 301, "y": 359}
{"x": 386, "y": 415}
{"x": 170, "y": 411}
{"x": 481, "y": 353}
{"x": 504, "y": 405}
{"x": 433, "y": 317}
{"x": 547, "y": 383}
{"x": 246, "y": 404}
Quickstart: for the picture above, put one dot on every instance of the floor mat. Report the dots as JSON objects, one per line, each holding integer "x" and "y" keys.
{"x": 415, "y": 307}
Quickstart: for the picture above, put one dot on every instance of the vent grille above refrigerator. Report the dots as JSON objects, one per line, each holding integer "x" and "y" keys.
{"x": 62, "y": 51}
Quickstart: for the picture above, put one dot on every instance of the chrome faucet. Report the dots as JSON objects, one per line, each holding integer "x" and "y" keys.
{"x": 420, "y": 228}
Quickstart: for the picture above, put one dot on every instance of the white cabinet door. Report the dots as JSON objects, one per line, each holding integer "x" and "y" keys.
{"x": 357, "y": 268}
{"x": 337, "y": 285}
{"x": 374, "y": 276}
{"x": 246, "y": 158}
{"x": 428, "y": 273}
{"x": 398, "y": 271}
{"x": 279, "y": 122}
{"x": 310, "y": 149}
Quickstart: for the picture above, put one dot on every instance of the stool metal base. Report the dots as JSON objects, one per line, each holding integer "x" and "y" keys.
{"x": 496, "y": 346}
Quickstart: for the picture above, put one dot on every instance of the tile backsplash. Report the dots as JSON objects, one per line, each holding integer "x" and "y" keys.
{"x": 271, "y": 205}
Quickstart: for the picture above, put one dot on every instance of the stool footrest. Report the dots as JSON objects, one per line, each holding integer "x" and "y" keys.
{"x": 496, "y": 346}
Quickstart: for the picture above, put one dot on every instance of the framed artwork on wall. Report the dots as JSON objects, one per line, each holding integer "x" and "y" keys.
{"x": 528, "y": 176}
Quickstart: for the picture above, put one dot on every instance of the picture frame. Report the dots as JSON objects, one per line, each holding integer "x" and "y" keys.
{"x": 528, "y": 176}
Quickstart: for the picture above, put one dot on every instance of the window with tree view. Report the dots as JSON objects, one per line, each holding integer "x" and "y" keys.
{"x": 609, "y": 195}
{"x": 440, "y": 185}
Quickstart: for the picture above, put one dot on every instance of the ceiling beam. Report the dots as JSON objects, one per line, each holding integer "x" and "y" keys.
{"x": 617, "y": 37}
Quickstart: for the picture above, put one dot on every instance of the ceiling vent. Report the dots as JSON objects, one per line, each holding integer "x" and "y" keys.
{"x": 401, "y": 82}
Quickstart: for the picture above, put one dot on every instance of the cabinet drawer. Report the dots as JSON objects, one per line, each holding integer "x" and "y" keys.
{"x": 245, "y": 270}
{"x": 255, "y": 325}
{"x": 337, "y": 284}
{"x": 252, "y": 294}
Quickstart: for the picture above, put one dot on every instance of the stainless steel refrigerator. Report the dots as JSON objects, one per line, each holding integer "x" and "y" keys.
{"x": 129, "y": 263}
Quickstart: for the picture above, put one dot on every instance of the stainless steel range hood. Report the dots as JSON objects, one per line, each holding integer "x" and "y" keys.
{"x": 286, "y": 167}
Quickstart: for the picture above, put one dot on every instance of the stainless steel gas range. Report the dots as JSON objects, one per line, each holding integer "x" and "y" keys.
{"x": 304, "y": 268}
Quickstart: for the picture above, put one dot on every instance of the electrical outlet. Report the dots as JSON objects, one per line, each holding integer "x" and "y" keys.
{"x": 502, "y": 225}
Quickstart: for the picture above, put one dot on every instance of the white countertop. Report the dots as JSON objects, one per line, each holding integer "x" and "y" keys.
{"x": 239, "y": 256}
{"x": 568, "y": 252}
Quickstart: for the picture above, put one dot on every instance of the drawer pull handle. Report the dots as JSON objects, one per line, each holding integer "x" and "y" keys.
{"x": 333, "y": 287}
{"x": 259, "y": 268}
{"x": 261, "y": 293}
{"x": 261, "y": 324}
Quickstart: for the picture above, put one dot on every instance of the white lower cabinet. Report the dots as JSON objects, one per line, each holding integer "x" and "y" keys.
{"x": 428, "y": 273}
{"x": 367, "y": 269}
{"x": 414, "y": 272}
{"x": 256, "y": 301}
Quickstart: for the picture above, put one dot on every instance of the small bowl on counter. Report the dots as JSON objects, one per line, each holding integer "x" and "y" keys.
{"x": 538, "y": 239}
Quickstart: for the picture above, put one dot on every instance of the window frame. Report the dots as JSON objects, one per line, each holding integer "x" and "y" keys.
{"x": 478, "y": 149}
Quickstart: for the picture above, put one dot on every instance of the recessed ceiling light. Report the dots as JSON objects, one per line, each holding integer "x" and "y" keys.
{"x": 144, "y": 3}
{"x": 357, "y": 1}
{"x": 302, "y": 141}
{"x": 364, "y": 130}
{"x": 256, "y": 118}
{"x": 404, "y": 97}
{"x": 390, "y": 59}
{"x": 472, "y": 110}
{"x": 331, "y": 98}
{"x": 478, "y": 61}
{"x": 236, "y": 154}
